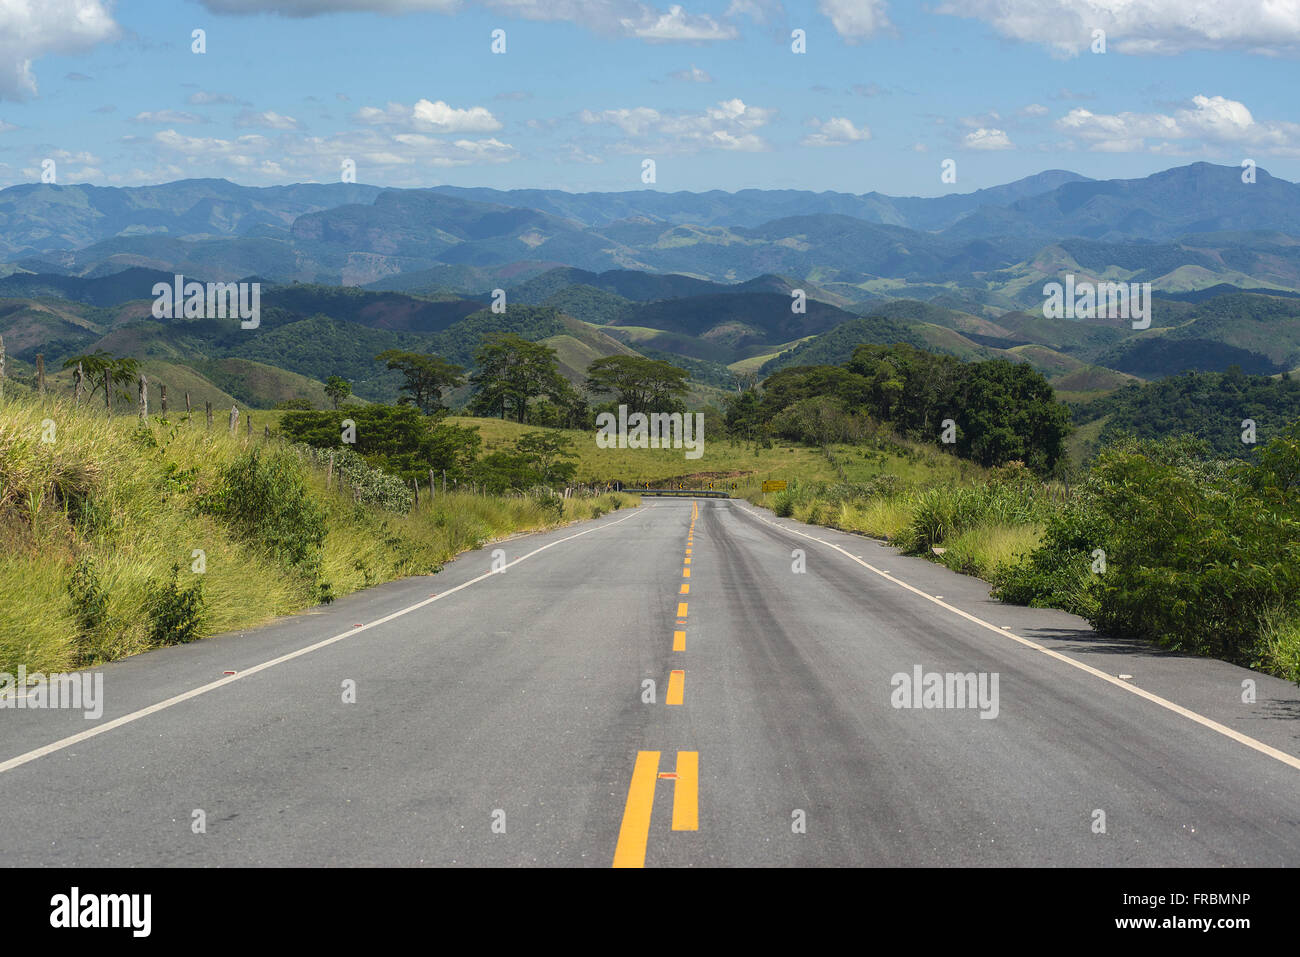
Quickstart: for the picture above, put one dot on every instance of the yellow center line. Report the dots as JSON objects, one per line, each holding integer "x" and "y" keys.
{"x": 681, "y": 609}
{"x": 676, "y": 687}
{"x": 686, "y": 561}
{"x": 679, "y": 641}
{"x": 635, "y": 830}
{"x": 686, "y": 589}
{"x": 686, "y": 573}
{"x": 686, "y": 792}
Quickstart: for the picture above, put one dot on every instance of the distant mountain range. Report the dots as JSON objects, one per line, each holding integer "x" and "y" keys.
{"x": 706, "y": 280}
{"x": 1182, "y": 229}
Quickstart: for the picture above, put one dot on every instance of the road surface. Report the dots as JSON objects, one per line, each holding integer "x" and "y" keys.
{"x": 503, "y": 718}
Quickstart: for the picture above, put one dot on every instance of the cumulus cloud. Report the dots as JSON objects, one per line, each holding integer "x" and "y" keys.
{"x": 267, "y": 120}
{"x": 855, "y": 19}
{"x": 837, "y": 131}
{"x": 986, "y": 139}
{"x": 1141, "y": 26}
{"x": 627, "y": 17}
{"x": 30, "y": 29}
{"x": 729, "y": 125}
{"x": 208, "y": 98}
{"x": 166, "y": 117}
{"x": 1212, "y": 120}
{"x": 693, "y": 75}
{"x": 401, "y": 158}
{"x": 429, "y": 117}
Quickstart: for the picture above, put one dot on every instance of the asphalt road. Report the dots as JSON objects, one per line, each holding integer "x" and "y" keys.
{"x": 501, "y": 719}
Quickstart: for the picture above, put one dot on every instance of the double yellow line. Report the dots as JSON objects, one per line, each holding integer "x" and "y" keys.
{"x": 634, "y": 832}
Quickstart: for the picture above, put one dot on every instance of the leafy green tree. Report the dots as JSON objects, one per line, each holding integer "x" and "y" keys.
{"x": 395, "y": 438}
{"x": 511, "y": 372}
{"x": 643, "y": 385}
{"x": 742, "y": 417}
{"x": 426, "y": 377}
{"x": 545, "y": 453}
{"x": 103, "y": 369}
{"x": 337, "y": 389}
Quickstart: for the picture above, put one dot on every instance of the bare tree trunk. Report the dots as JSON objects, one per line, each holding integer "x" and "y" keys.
{"x": 431, "y": 485}
{"x": 248, "y": 420}
{"x": 416, "y": 485}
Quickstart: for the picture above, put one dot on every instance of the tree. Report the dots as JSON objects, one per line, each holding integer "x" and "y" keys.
{"x": 511, "y": 372}
{"x": 337, "y": 389}
{"x": 426, "y": 377}
{"x": 395, "y": 438}
{"x": 643, "y": 385}
{"x": 104, "y": 369}
{"x": 545, "y": 452}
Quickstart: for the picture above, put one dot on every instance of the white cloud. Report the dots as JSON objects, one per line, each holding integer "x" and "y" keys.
{"x": 856, "y": 19}
{"x": 401, "y": 158}
{"x": 729, "y": 125}
{"x": 986, "y": 139}
{"x": 430, "y": 117}
{"x": 208, "y": 98}
{"x": 693, "y": 75}
{"x": 1142, "y": 26}
{"x": 627, "y": 17}
{"x": 166, "y": 117}
{"x": 267, "y": 120}
{"x": 312, "y": 8}
{"x": 1033, "y": 109}
{"x": 676, "y": 24}
{"x": 837, "y": 131}
{"x": 30, "y": 29}
{"x": 1213, "y": 120}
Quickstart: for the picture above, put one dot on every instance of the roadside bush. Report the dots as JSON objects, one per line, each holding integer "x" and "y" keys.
{"x": 175, "y": 613}
{"x": 263, "y": 495}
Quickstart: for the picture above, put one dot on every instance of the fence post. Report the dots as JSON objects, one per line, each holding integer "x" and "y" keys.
{"x": 162, "y": 398}
{"x": 234, "y": 418}
{"x": 209, "y": 411}
{"x": 40, "y": 373}
{"x": 248, "y": 421}
{"x": 415, "y": 484}
{"x": 143, "y": 386}
{"x": 329, "y": 475}
{"x": 431, "y": 486}
{"x": 187, "y": 403}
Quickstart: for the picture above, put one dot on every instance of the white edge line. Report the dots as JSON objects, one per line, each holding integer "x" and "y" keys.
{"x": 1223, "y": 729}
{"x": 212, "y": 686}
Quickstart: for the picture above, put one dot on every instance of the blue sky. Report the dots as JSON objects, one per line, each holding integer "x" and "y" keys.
{"x": 411, "y": 92}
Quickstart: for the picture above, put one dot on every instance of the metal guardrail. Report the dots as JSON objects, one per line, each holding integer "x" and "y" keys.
{"x": 680, "y": 492}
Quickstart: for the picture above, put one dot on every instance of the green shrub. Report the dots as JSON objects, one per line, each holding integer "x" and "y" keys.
{"x": 175, "y": 613}
{"x": 262, "y": 494}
